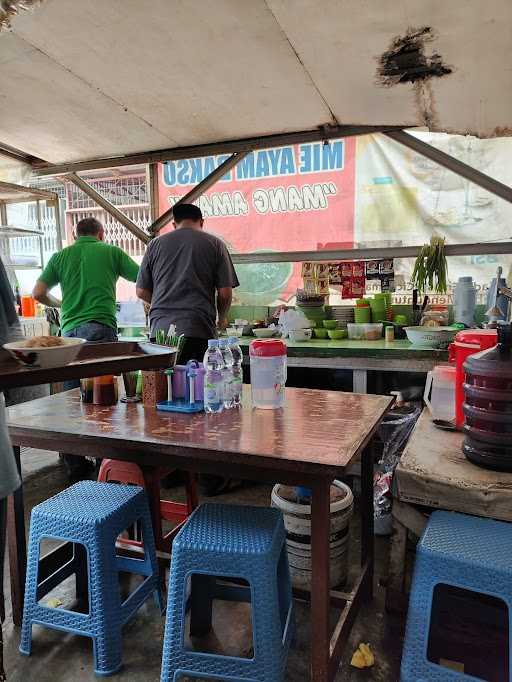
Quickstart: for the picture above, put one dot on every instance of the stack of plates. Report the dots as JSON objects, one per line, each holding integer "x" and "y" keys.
{"x": 342, "y": 313}
{"x": 309, "y": 300}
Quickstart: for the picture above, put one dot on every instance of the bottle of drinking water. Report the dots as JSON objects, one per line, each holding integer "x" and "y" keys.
{"x": 238, "y": 377}
{"x": 227, "y": 372}
{"x": 213, "y": 379}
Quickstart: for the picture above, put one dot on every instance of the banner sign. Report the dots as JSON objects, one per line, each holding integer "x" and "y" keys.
{"x": 289, "y": 198}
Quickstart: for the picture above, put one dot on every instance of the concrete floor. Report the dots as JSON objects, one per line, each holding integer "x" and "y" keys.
{"x": 57, "y": 656}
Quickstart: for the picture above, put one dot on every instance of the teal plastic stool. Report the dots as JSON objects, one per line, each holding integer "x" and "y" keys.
{"x": 221, "y": 541}
{"x": 91, "y": 516}
{"x": 459, "y": 551}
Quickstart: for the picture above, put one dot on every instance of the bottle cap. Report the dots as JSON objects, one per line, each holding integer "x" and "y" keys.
{"x": 232, "y": 339}
{"x": 213, "y": 343}
{"x": 223, "y": 342}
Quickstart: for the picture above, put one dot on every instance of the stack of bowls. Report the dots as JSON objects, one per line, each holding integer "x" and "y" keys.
{"x": 315, "y": 314}
{"x": 362, "y": 313}
{"x": 342, "y": 314}
{"x": 378, "y": 307}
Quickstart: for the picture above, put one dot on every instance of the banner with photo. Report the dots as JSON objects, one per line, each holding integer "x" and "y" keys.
{"x": 365, "y": 191}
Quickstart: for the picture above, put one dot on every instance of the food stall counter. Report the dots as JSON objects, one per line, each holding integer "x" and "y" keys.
{"x": 359, "y": 357}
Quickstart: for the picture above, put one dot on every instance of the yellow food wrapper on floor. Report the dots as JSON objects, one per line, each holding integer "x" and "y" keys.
{"x": 363, "y": 657}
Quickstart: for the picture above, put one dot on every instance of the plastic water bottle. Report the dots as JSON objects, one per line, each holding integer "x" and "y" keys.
{"x": 227, "y": 372}
{"x": 238, "y": 377}
{"x": 213, "y": 379}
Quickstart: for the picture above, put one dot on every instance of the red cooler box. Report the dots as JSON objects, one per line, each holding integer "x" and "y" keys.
{"x": 467, "y": 343}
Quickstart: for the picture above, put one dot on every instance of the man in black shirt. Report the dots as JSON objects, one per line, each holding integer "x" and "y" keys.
{"x": 187, "y": 277}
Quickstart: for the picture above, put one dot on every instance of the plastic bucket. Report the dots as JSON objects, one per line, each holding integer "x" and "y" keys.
{"x": 297, "y": 521}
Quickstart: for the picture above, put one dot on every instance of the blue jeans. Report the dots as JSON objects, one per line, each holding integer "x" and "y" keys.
{"x": 99, "y": 333}
{"x": 90, "y": 331}
{"x": 93, "y": 331}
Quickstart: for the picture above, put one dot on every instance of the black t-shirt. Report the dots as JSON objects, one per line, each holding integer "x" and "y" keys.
{"x": 184, "y": 269}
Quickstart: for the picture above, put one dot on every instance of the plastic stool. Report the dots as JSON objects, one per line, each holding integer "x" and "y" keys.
{"x": 177, "y": 512}
{"x": 462, "y": 551}
{"x": 91, "y": 515}
{"x": 230, "y": 542}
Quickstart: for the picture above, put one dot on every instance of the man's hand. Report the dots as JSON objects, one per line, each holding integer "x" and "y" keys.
{"x": 223, "y": 305}
{"x": 222, "y": 323}
{"x": 42, "y": 295}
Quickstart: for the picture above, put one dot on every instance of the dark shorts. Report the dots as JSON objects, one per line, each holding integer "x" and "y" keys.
{"x": 193, "y": 349}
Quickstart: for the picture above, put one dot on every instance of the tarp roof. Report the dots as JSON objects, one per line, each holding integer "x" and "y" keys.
{"x": 94, "y": 79}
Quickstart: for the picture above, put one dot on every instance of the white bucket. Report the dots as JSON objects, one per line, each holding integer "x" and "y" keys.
{"x": 297, "y": 521}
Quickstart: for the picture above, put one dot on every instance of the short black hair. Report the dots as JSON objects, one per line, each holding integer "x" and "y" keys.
{"x": 186, "y": 212}
{"x": 88, "y": 227}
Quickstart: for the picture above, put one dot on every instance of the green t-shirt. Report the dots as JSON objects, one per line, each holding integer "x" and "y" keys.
{"x": 88, "y": 272}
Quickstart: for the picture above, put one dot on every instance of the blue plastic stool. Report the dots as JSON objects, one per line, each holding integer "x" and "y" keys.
{"x": 222, "y": 541}
{"x": 91, "y": 516}
{"x": 461, "y": 551}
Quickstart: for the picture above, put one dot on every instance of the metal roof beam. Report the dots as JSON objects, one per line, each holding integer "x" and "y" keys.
{"x": 199, "y": 189}
{"x": 451, "y": 163}
{"x": 18, "y": 155}
{"x": 229, "y": 147}
{"x": 370, "y": 253}
{"x": 107, "y": 206}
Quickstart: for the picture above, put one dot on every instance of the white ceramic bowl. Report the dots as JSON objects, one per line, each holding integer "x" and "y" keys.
{"x": 264, "y": 333}
{"x": 431, "y": 337}
{"x": 300, "y": 335}
{"x": 55, "y": 356}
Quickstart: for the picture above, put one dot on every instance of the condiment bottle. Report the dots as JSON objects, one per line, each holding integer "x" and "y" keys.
{"x": 104, "y": 392}
{"x": 390, "y": 333}
{"x": 87, "y": 390}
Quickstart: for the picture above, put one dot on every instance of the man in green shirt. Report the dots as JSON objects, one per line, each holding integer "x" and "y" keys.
{"x": 87, "y": 272}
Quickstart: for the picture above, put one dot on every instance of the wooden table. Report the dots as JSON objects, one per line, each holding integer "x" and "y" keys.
{"x": 434, "y": 474}
{"x": 314, "y": 439}
{"x": 360, "y": 357}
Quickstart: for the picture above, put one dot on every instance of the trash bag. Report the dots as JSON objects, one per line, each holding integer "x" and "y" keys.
{"x": 394, "y": 431}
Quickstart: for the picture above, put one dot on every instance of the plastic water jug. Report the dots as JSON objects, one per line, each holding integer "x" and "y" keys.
{"x": 268, "y": 373}
{"x": 439, "y": 394}
{"x": 467, "y": 343}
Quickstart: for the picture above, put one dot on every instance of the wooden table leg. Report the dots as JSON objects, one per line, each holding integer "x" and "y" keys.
{"x": 367, "y": 537}
{"x": 17, "y": 546}
{"x": 320, "y": 591}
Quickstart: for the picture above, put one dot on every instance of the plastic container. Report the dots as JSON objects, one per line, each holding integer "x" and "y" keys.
{"x": 28, "y": 306}
{"x": 464, "y": 300}
{"x": 297, "y": 520}
{"x": 179, "y": 380}
{"x": 487, "y": 407}
{"x": 467, "y": 343}
{"x": 268, "y": 373}
{"x": 439, "y": 393}
{"x": 365, "y": 332}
